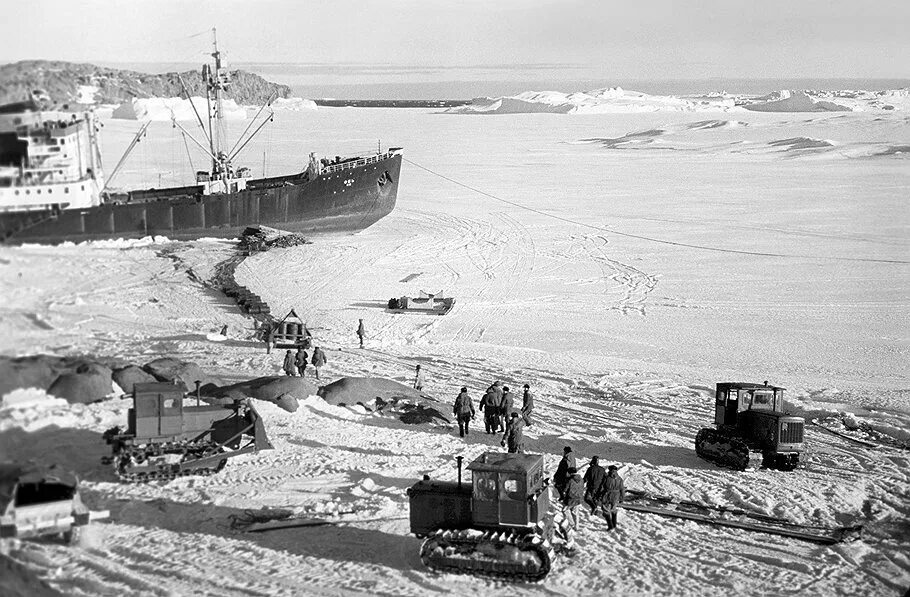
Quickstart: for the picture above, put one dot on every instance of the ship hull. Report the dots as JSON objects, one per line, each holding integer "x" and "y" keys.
{"x": 342, "y": 201}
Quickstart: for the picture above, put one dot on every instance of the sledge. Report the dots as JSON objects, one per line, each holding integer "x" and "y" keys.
{"x": 640, "y": 501}
{"x": 434, "y": 304}
{"x": 288, "y": 332}
{"x": 288, "y": 523}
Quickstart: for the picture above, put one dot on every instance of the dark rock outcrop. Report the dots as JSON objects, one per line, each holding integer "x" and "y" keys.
{"x": 127, "y": 377}
{"x": 282, "y": 390}
{"x": 62, "y": 80}
{"x": 172, "y": 369}
{"x": 91, "y": 382}
{"x": 384, "y": 396}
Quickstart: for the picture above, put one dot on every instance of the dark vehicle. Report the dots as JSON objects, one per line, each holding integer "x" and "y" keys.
{"x": 750, "y": 417}
{"x": 37, "y": 501}
{"x": 497, "y": 526}
{"x": 165, "y": 439}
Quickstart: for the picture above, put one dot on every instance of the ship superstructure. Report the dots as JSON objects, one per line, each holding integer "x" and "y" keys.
{"x": 49, "y": 161}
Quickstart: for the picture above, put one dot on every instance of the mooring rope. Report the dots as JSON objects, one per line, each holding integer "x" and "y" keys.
{"x": 653, "y": 239}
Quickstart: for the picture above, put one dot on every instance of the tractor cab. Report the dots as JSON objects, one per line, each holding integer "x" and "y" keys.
{"x": 733, "y": 398}
{"x": 509, "y": 489}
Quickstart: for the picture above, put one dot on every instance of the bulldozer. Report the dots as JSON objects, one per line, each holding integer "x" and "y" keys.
{"x": 165, "y": 439}
{"x": 749, "y": 417}
{"x": 497, "y": 526}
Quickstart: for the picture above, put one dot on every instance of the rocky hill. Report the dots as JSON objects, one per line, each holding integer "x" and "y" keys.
{"x": 63, "y": 82}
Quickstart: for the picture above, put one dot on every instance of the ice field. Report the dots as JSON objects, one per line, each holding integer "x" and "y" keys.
{"x": 619, "y": 263}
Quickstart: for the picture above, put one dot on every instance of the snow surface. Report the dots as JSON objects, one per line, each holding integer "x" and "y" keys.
{"x": 619, "y": 263}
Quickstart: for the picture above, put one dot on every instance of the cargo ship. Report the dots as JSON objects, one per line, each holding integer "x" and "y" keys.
{"x": 52, "y": 185}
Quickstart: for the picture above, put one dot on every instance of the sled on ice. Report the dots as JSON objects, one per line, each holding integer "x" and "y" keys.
{"x": 433, "y": 304}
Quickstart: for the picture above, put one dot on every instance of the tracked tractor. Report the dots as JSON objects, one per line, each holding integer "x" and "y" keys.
{"x": 496, "y": 526}
{"x": 749, "y": 417}
{"x": 165, "y": 439}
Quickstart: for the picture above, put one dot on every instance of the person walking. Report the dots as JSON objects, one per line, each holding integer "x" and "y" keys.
{"x": 489, "y": 406}
{"x": 289, "y": 367}
{"x": 269, "y": 334}
{"x": 594, "y": 478}
{"x": 574, "y": 496}
{"x": 300, "y": 360}
{"x": 561, "y": 478}
{"x": 463, "y": 411}
{"x": 513, "y": 438}
{"x": 361, "y": 332}
{"x": 418, "y": 381}
{"x": 505, "y": 405}
{"x": 497, "y": 396}
{"x": 318, "y": 359}
{"x": 614, "y": 493}
{"x": 527, "y": 405}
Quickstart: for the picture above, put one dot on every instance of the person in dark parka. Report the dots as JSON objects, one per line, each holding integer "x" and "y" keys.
{"x": 614, "y": 493}
{"x": 489, "y": 406}
{"x": 574, "y": 496}
{"x": 594, "y": 478}
{"x": 289, "y": 366}
{"x": 497, "y": 394}
{"x": 561, "y": 478}
{"x": 361, "y": 332}
{"x": 419, "y": 379}
{"x": 506, "y": 405}
{"x": 514, "y": 435}
{"x": 318, "y": 360}
{"x": 300, "y": 360}
{"x": 463, "y": 411}
{"x": 527, "y": 406}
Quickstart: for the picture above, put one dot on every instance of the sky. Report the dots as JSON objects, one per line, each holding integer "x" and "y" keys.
{"x": 646, "y": 39}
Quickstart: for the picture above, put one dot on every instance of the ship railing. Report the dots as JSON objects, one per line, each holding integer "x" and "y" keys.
{"x": 356, "y": 163}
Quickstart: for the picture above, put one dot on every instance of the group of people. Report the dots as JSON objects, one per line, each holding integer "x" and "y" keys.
{"x": 295, "y": 363}
{"x": 599, "y": 489}
{"x": 499, "y": 413}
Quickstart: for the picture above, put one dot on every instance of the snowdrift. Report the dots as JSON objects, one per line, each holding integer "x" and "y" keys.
{"x": 795, "y": 101}
{"x": 618, "y": 100}
{"x": 600, "y": 101}
{"x": 293, "y": 104}
{"x": 166, "y": 109}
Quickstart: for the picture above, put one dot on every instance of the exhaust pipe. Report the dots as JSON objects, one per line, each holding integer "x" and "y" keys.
{"x": 459, "y": 459}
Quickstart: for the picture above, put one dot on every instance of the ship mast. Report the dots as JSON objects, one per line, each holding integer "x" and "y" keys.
{"x": 216, "y": 82}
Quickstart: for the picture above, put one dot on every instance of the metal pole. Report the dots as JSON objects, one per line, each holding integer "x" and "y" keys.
{"x": 459, "y": 459}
